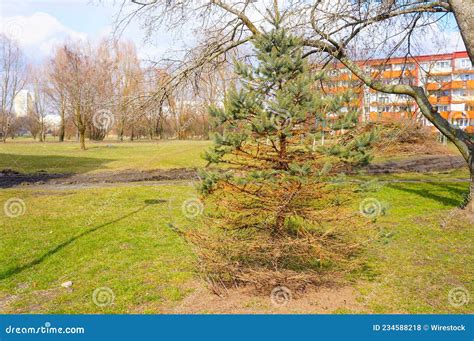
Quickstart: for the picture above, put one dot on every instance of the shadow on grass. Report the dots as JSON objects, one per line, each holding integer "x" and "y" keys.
{"x": 16, "y": 270}
{"x": 17, "y": 168}
{"x": 434, "y": 192}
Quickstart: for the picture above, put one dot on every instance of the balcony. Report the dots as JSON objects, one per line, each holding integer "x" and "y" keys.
{"x": 439, "y": 86}
{"x": 440, "y": 99}
{"x": 458, "y": 85}
{"x": 398, "y": 73}
{"x": 462, "y": 85}
{"x": 440, "y": 72}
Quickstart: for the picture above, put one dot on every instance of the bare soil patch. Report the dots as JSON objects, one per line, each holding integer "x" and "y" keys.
{"x": 10, "y": 178}
{"x": 322, "y": 300}
{"x": 419, "y": 165}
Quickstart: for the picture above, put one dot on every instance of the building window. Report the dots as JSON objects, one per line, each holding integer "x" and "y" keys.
{"x": 442, "y": 107}
{"x": 467, "y": 77}
{"x": 460, "y": 92}
{"x": 465, "y": 63}
{"x": 443, "y": 64}
{"x": 461, "y": 122}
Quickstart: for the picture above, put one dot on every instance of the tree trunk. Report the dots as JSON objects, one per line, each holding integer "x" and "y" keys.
{"x": 6, "y": 129}
{"x": 464, "y": 13}
{"x": 62, "y": 129}
{"x": 61, "y": 133}
{"x": 81, "y": 128}
{"x": 282, "y": 162}
{"x": 120, "y": 133}
{"x": 41, "y": 132}
{"x": 82, "y": 138}
{"x": 470, "y": 200}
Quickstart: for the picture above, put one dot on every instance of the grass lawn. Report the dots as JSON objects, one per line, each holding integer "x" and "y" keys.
{"x": 120, "y": 238}
{"x": 117, "y": 238}
{"x": 54, "y": 157}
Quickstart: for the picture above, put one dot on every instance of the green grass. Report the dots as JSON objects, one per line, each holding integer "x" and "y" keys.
{"x": 55, "y": 157}
{"x": 120, "y": 238}
{"x": 117, "y": 238}
{"x": 418, "y": 259}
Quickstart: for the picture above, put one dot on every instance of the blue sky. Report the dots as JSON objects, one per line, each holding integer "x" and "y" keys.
{"x": 39, "y": 25}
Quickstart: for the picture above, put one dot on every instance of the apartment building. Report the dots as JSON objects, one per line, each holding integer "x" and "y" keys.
{"x": 448, "y": 79}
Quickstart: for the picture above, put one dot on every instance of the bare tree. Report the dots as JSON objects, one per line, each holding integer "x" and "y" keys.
{"x": 37, "y": 114}
{"x": 12, "y": 81}
{"x": 127, "y": 80}
{"x": 57, "y": 87}
{"x": 78, "y": 77}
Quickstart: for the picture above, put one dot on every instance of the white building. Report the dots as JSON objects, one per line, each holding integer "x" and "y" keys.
{"x": 23, "y": 103}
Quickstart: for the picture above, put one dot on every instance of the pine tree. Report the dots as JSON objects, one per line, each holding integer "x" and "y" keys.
{"x": 274, "y": 201}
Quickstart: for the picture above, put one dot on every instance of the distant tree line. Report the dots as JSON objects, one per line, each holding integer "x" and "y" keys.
{"x": 86, "y": 91}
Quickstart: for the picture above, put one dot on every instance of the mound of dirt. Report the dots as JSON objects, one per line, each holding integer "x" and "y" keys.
{"x": 406, "y": 137}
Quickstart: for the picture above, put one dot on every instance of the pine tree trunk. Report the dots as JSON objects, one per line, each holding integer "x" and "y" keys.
{"x": 282, "y": 164}
{"x": 279, "y": 223}
{"x": 283, "y": 153}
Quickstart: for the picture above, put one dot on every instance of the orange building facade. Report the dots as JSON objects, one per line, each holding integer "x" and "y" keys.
{"x": 447, "y": 78}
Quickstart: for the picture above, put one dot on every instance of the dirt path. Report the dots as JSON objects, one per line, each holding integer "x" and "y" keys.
{"x": 419, "y": 165}
{"x": 9, "y": 178}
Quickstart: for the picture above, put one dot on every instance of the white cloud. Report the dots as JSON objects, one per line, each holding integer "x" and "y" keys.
{"x": 439, "y": 39}
{"x": 38, "y": 33}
